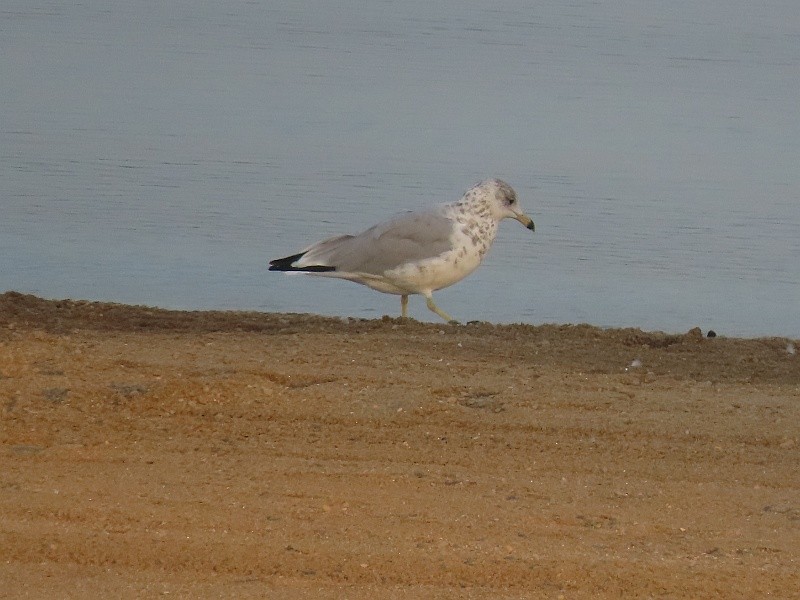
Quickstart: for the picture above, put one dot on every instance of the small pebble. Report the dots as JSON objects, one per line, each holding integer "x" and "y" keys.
{"x": 711, "y": 333}
{"x": 635, "y": 364}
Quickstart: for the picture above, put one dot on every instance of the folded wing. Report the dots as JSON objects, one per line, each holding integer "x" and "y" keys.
{"x": 409, "y": 237}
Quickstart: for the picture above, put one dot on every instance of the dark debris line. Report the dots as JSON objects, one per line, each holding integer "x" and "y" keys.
{"x": 582, "y": 348}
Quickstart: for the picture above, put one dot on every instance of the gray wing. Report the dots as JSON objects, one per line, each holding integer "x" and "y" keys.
{"x": 408, "y": 237}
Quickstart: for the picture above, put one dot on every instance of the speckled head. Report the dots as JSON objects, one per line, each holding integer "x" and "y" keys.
{"x": 500, "y": 199}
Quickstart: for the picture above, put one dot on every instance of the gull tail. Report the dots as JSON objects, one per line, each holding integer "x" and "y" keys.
{"x": 287, "y": 264}
{"x": 317, "y": 258}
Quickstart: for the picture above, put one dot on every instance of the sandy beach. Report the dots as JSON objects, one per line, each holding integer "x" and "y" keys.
{"x": 146, "y": 452}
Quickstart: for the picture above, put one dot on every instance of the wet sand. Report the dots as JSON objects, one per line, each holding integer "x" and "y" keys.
{"x": 225, "y": 454}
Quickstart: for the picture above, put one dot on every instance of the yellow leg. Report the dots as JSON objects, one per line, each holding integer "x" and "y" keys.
{"x": 439, "y": 311}
{"x": 404, "y": 305}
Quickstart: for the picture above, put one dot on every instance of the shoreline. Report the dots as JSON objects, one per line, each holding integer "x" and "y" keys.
{"x": 581, "y": 347}
{"x": 160, "y": 317}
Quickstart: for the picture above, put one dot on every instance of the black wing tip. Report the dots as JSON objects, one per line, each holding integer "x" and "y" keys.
{"x": 285, "y": 264}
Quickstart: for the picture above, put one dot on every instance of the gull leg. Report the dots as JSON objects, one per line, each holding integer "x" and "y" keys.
{"x": 404, "y": 305}
{"x": 431, "y": 305}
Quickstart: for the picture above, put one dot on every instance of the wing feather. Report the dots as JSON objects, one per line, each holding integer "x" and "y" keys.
{"x": 408, "y": 237}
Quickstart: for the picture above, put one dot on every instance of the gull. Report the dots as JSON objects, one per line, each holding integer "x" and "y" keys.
{"x": 416, "y": 252}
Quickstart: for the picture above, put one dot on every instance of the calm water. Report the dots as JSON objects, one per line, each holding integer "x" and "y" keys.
{"x": 161, "y": 153}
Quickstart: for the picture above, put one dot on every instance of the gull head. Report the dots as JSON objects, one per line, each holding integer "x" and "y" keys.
{"x": 501, "y": 200}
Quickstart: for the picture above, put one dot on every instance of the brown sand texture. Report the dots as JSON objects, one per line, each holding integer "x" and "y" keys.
{"x": 152, "y": 453}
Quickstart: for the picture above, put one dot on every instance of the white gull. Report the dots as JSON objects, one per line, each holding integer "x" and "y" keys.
{"x": 416, "y": 252}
